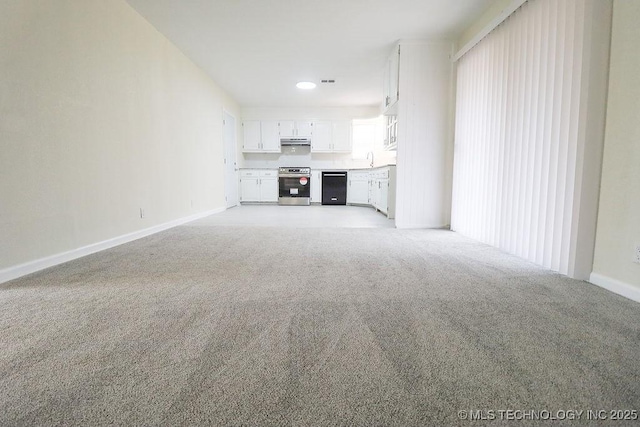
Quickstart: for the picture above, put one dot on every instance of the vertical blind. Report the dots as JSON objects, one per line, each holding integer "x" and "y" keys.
{"x": 518, "y": 117}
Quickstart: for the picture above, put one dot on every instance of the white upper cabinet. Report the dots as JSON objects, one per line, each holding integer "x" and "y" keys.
{"x": 270, "y": 136}
{"x": 331, "y": 137}
{"x": 252, "y": 135}
{"x": 321, "y": 141}
{"x": 304, "y": 128}
{"x": 260, "y": 136}
{"x": 296, "y": 129}
{"x": 391, "y": 82}
{"x": 327, "y": 136}
{"x": 287, "y": 128}
{"x": 341, "y": 136}
{"x": 391, "y": 133}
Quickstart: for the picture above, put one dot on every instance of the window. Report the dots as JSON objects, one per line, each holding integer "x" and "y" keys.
{"x": 367, "y": 136}
{"x": 528, "y": 137}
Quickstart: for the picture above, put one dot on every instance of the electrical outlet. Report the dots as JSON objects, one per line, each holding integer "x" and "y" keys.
{"x": 636, "y": 255}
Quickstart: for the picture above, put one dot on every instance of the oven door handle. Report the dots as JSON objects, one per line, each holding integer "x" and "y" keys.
{"x": 334, "y": 174}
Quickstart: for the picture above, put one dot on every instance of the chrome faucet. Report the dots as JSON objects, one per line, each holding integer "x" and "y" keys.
{"x": 370, "y": 152}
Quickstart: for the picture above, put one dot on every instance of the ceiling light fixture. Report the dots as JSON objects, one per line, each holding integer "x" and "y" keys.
{"x": 305, "y": 85}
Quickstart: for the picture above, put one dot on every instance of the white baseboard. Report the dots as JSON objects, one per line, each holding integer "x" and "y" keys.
{"x": 616, "y": 286}
{"x": 50, "y": 261}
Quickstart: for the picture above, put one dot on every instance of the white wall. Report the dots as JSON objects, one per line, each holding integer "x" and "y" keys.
{"x": 100, "y": 116}
{"x": 618, "y": 232}
{"x": 482, "y": 21}
{"x": 425, "y": 137}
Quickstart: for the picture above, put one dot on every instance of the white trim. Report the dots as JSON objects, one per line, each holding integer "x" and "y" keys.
{"x": 626, "y": 290}
{"x": 235, "y": 158}
{"x": 50, "y": 261}
{"x": 504, "y": 14}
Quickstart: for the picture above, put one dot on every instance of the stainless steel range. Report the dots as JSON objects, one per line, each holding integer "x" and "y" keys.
{"x": 294, "y": 186}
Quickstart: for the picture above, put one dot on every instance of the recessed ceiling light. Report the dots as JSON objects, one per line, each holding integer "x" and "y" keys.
{"x": 305, "y": 85}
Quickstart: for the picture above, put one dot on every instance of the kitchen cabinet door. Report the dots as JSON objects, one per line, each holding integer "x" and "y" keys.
{"x": 391, "y": 133}
{"x": 252, "y": 135}
{"x": 296, "y": 129}
{"x": 287, "y": 128}
{"x": 378, "y": 194}
{"x": 321, "y": 140}
{"x": 341, "y": 136}
{"x": 391, "y": 88}
{"x": 394, "y": 76}
{"x": 304, "y": 129}
{"x": 358, "y": 192}
{"x": 269, "y": 189}
{"x": 250, "y": 188}
{"x": 270, "y": 136}
{"x": 383, "y": 198}
{"x": 316, "y": 186}
{"x": 371, "y": 192}
{"x": 258, "y": 185}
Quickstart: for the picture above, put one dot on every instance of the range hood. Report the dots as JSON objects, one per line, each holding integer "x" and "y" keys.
{"x": 296, "y": 142}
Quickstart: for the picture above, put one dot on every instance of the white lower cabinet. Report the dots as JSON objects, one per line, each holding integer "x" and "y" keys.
{"x": 358, "y": 188}
{"x": 383, "y": 198}
{"x": 382, "y": 190}
{"x": 316, "y": 186}
{"x": 249, "y": 189}
{"x": 258, "y": 185}
{"x": 269, "y": 188}
{"x": 375, "y": 187}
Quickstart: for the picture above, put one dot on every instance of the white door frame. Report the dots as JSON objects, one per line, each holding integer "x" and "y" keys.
{"x": 230, "y": 155}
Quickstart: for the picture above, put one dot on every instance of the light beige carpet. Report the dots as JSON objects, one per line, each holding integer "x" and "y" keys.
{"x": 291, "y": 326}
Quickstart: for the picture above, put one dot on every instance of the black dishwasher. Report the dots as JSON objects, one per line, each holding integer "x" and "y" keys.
{"x": 334, "y": 188}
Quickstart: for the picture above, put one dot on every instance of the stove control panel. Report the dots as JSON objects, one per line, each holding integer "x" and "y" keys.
{"x": 296, "y": 170}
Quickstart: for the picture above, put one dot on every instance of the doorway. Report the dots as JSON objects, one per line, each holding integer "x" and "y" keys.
{"x": 230, "y": 164}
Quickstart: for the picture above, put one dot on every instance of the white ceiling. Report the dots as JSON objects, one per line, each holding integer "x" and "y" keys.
{"x": 258, "y": 49}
